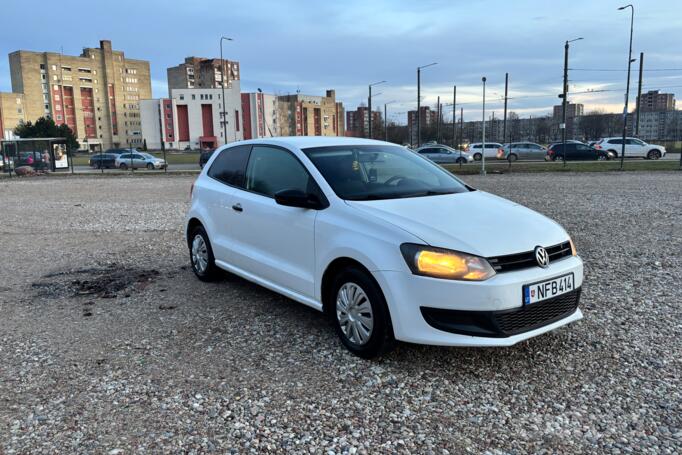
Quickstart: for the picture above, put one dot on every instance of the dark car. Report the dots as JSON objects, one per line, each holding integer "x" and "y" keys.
{"x": 576, "y": 152}
{"x": 103, "y": 160}
{"x": 205, "y": 156}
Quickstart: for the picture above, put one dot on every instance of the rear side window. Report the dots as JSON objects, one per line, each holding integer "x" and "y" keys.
{"x": 230, "y": 166}
{"x": 272, "y": 169}
{"x": 616, "y": 141}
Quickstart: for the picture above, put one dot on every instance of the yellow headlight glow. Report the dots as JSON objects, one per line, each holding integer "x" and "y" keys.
{"x": 452, "y": 265}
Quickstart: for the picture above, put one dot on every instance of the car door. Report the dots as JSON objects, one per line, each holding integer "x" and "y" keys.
{"x": 536, "y": 152}
{"x": 445, "y": 155}
{"x": 429, "y": 153}
{"x": 583, "y": 152}
{"x": 270, "y": 241}
{"x": 634, "y": 147}
{"x": 139, "y": 160}
{"x": 226, "y": 174}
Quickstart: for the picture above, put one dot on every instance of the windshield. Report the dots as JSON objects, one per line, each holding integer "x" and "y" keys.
{"x": 370, "y": 172}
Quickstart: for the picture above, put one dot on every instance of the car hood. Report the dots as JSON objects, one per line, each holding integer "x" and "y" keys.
{"x": 475, "y": 222}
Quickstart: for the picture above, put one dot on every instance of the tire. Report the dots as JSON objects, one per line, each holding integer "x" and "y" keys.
{"x": 461, "y": 161}
{"x": 613, "y": 152}
{"x": 150, "y": 167}
{"x": 653, "y": 154}
{"x": 512, "y": 157}
{"x": 478, "y": 157}
{"x": 602, "y": 157}
{"x": 379, "y": 339}
{"x": 201, "y": 255}
{"x": 123, "y": 166}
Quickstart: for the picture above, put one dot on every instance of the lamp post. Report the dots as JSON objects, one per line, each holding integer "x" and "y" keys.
{"x": 386, "y": 120}
{"x": 563, "y": 101}
{"x": 369, "y": 106}
{"x": 223, "y": 120}
{"x": 627, "y": 86}
{"x": 419, "y": 87}
{"x": 483, "y": 138}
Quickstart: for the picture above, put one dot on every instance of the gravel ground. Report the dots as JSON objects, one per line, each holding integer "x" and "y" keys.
{"x": 108, "y": 344}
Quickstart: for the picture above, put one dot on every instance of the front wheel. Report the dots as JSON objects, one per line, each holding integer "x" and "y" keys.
{"x": 478, "y": 157}
{"x": 150, "y": 166}
{"x": 653, "y": 154}
{"x": 512, "y": 157}
{"x": 201, "y": 255}
{"x": 360, "y": 314}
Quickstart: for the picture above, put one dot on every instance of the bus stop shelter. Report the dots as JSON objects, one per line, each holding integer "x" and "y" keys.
{"x": 47, "y": 154}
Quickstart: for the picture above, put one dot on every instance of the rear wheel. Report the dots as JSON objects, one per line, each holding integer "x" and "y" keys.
{"x": 123, "y": 166}
{"x": 360, "y": 314}
{"x": 478, "y": 156}
{"x": 512, "y": 157}
{"x": 201, "y": 255}
{"x": 613, "y": 153}
{"x": 461, "y": 161}
{"x": 653, "y": 154}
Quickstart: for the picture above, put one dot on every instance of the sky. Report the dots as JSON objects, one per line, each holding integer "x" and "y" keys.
{"x": 307, "y": 45}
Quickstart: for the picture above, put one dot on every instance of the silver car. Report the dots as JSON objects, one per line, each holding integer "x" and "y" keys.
{"x": 524, "y": 151}
{"x": 442, "y": 154}
{"x": 139, "y": 160}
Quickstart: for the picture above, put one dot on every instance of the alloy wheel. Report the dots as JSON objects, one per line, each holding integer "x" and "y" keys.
{"x": 199, "y": 254}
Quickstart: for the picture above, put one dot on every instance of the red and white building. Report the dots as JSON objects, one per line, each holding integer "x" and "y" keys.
{"x": 191, "y": 118}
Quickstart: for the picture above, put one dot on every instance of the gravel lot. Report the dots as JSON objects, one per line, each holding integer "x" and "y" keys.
{"x": 108, "y": 344}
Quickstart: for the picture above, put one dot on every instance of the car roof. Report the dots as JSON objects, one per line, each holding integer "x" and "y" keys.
{"x": 302, "y": 142}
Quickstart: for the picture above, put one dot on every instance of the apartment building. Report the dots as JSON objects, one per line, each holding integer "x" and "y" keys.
{"x": 11, "y": 113}
{"x": 357, "y": 122}
{"x": 200, "y": 72}
{"x": 97, "y": 94}
{"x": 654, "y": 101}
{"x": 427, "y": 119}
{"x": 260, "y": 115}
{"x": 309, "y": 115}
{"x": 191, "y": 118}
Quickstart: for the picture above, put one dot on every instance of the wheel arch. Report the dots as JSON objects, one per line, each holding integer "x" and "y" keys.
{"x": 192, "y": 224}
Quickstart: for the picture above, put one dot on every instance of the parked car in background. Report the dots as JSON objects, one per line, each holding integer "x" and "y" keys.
{"x": 205, "y": 155}
{"x": 523, "y": 151}
{"x": 576, "y": 152}
{"x": 118, "y": 151}
{"x": 442, "y": 154}
{"x": 491, "y": 150}
{"x": 139, "y": 160}
{"x": 388, "y": 245}
{"x": 634, "y": 148}
{"x": 103, "y": 160}
{"x": 568, "y": 141}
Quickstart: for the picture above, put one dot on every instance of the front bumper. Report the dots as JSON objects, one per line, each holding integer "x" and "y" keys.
{"x": 407, "y": 295}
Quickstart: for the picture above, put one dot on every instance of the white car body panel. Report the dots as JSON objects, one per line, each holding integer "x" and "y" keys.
{"x": 288, "y": 249}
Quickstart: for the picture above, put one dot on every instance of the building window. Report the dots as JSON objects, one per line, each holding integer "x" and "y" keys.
{"x": 194, "y": 97}
{"x": 54, "y": 67}
{"x": 42, "y": 66}
{"x": 59, "y": 117}
{"x": 182, "y": 97}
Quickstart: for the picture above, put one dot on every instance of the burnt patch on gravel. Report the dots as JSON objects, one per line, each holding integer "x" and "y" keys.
{"x": 104, "y": 283}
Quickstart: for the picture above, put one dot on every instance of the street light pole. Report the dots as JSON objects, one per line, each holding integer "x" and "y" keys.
{"x": 386, "y": 119}
{"x": 627, "y": 86}
{"x": 483, "y": 135}
{"x": 454, "y": 112}
{"x": 369, "y": 106}
{"x": 563, "y": 101}
{"x": 506, "y": 93}
{"x": 419, "y": 126}
{"x": 639, "y": 92}
{"x": 223, "y": 120}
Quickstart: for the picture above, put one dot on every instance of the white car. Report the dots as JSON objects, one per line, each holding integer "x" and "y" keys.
{"x": 492, "y": 150}
{"x": 634, "y": 148}
{"x": 442, "y": 154}
{"x": 388, "y": 244}
{"x": 138, "y": 160}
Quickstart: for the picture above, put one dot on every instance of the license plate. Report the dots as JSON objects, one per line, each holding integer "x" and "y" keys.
{"x": 543, "y": 290}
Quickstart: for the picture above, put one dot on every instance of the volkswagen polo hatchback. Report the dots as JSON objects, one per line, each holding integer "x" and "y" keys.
{"x": 385, "y": 242}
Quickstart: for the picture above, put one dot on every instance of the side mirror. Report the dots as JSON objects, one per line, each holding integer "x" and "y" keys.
{"x": 297, "y": 198}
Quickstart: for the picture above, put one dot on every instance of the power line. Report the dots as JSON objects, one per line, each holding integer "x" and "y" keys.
{"x": 623, "y": 70}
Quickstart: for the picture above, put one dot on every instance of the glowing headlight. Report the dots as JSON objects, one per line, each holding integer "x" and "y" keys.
{"x": 441, "y": 263}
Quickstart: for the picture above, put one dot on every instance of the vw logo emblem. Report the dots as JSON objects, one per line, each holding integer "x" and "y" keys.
{"x": 541, "y": 256}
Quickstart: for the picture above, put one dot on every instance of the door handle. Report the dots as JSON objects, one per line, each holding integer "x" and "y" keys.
{"x": 237, "y": 207}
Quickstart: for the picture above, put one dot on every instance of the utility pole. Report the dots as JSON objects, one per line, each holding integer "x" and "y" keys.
{"x": 385, "y": 124}
{"x": 506, "y": 92}
{"x": 419, "y": 127}
{"x": 438, "y": 120}
{"x": 223, "y": 120}
{"x": 493, "y": 130}
{"x": 369, "y": 106}
{"x": 563, "y": 100}
{"x": 639, "y": 91}
{"x": 461, "y": 133}
{"x": 483, "y": 132}
{"x": 454, "y": 121}
{"x": 627, "y": 86}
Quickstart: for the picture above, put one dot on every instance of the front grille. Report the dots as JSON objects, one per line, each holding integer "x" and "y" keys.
{"x": 503, "y": 323}
{"x": 518, "y": 261}
{"x": 536, "y": 315}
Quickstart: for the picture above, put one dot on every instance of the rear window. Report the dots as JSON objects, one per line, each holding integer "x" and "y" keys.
{"x": 230, "y": 166}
